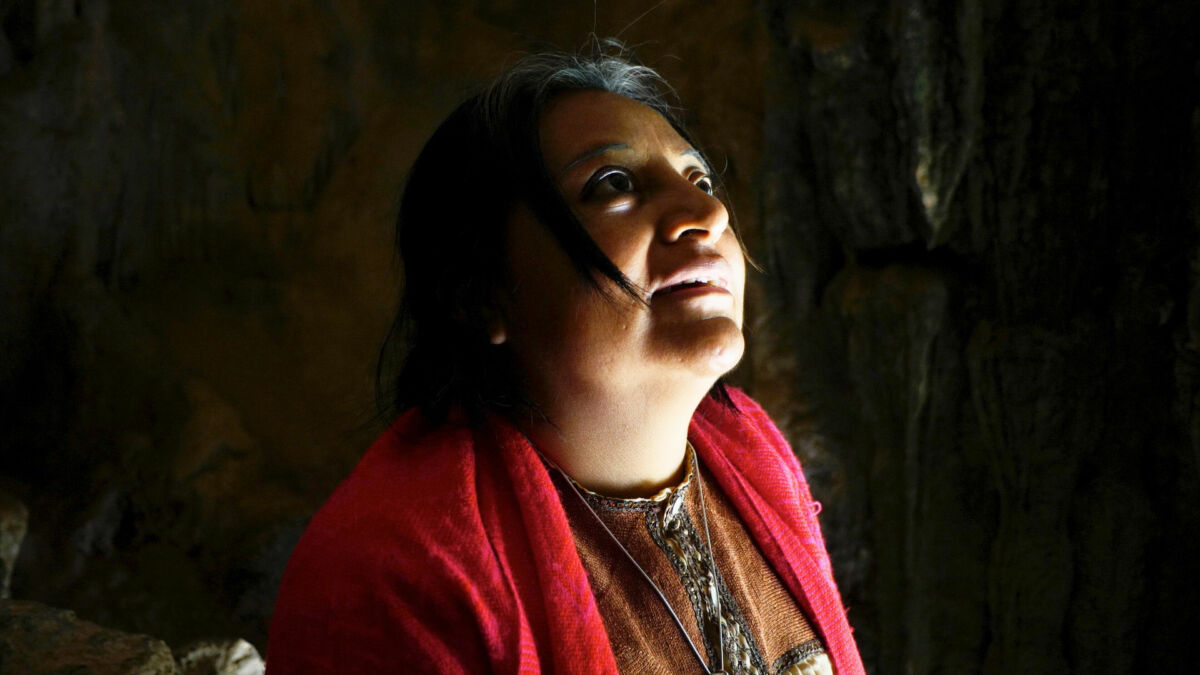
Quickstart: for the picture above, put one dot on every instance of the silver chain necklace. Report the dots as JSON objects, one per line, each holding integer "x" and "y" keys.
{"x": 714, "y": 592}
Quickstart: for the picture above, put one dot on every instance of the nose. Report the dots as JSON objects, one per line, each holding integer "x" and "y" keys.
{"x": 689, "y": 211}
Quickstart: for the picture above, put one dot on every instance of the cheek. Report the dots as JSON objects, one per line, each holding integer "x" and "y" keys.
{"x": 542, "y": 298}
{"x": 550, "y": 312}
{"x": 625, "y": 248}
{"x": 539, "y": 274}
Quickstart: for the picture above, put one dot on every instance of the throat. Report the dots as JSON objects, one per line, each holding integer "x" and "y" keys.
{"x": 630, "y": 443}
{"x": 614, "y": 464}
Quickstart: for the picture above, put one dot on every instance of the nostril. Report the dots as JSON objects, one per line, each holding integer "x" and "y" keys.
{"x": 692, "y": 214}
{"x": 694, "y": 225}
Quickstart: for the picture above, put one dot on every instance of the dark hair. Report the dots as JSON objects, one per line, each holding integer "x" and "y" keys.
{"x": 452, "y": 227}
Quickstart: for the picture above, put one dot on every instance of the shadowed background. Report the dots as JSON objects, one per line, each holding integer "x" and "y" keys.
{"x": 979, "y": 323}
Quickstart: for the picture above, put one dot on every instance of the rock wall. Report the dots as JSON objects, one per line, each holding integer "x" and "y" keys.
{"x": 38, "y": 639}
{"x": 983, "y": 218}
{"x": 978, "y": 324}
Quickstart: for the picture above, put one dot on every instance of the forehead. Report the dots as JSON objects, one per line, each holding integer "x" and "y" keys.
{"x": 580, "y": 121}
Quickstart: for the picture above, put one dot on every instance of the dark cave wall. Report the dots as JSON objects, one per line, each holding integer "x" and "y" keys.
{"x": 979, "y": 321}
{"x": 982, "y": 218}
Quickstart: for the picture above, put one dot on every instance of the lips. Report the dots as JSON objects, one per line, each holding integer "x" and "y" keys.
{"x": 703, "y": 273}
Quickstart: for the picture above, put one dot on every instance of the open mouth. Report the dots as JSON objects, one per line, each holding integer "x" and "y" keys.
{"x": 700, "y": 275}
{"x": 692, "y": 283}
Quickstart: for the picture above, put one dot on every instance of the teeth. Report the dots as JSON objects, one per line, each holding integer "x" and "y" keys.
{"x": 698, "y": 281}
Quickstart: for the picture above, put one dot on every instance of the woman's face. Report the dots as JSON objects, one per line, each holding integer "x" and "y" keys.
{"x": 643, "y": 194}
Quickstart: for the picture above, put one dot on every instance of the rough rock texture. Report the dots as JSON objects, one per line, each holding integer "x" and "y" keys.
{"x": 14, "y": 519}
{"x": 229, "y": 657}
{"x": 982, "y": 223}
{"x": 40, "y": 640}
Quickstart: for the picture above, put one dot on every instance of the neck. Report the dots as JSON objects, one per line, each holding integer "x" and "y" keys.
{"x": 630, "y": 443}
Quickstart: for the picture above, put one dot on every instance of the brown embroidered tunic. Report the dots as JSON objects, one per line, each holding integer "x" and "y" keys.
{"x": 764, "y": 629}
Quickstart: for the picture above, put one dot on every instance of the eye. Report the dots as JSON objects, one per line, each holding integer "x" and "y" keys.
{"x": 607, "y": 182}
{"x": 703, "y": 181}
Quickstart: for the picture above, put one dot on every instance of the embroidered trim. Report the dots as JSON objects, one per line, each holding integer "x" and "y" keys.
{"x": 622, "y": 505}
{"x": 671, "y": 527}
{"x": 644, "y": 504}
{"x": 675, "y": 533}
{"x": 797, "y": 655}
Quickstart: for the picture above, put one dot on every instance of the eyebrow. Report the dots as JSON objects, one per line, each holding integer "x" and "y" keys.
{"x": 699, "y": 158}
{"x": 691, "y": 152}
{"x": 592, "y": 153}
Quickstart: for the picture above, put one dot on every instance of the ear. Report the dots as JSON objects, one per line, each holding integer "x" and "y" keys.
{"x": 492, "y": 318}
{"x": 496, "y": 331}
{"x": 493, "y": 315}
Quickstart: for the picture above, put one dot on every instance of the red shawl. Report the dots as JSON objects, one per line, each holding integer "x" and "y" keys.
{"x": 447, "y": 551}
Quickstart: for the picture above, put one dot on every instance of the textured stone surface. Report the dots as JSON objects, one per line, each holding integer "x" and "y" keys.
{"x": 14, "y": 520}
{"x": 41, "y": 640}
{"x": 983, "y": 223}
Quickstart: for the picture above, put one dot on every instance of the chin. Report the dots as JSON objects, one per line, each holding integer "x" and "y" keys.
{"x": 725, "y": 358}
{"x": 719, "y": 351}
{"x": 707, "y": 349}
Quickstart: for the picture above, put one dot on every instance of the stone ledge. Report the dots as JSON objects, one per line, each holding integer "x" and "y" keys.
{"x": 37, "y": 640}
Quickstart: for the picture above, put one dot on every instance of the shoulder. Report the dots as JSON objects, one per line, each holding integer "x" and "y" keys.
{"x": 396, "y": 553}
{"x": 412, "y": 480}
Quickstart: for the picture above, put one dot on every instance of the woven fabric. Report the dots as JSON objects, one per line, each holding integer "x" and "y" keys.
{"x": 765, "y": 631}
{"x": 448, "y": 550}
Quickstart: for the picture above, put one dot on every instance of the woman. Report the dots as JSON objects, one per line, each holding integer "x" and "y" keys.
{"x": 568, "y": 486}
